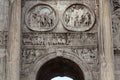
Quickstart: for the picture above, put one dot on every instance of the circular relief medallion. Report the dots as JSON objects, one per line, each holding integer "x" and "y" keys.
{"x": 116, "y": 22}
{"x": 41, "y": 17}
{"x": 78, "y": 17}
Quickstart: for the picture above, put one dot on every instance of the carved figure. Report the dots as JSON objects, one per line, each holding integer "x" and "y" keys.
{"x": 41, "y": 17}
{"x": 78, "y": 17}
{"x": 73, "y": 39}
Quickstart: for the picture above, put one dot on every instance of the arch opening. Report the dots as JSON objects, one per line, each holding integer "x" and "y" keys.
{"x": 60, "y": 68}
{"x": 61, "y": 78}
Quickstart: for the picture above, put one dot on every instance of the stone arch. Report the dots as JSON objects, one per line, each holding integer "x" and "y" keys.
{"x": 66, "y": 55}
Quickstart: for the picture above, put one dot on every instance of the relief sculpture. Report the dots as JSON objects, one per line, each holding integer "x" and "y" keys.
{"x": 2, "y": 68}
{"x": 116, "y": 24}
{"x": 116, "y": 21}
{"x": 88, "y": 55}
{"x": 41, "y": 17}
{"x": 69, "y": 39}
{"x": 116, "y": 4}
{"x": 3, "y": 39}
{"x": 30, "y": 55}
{"x": 43, "y": 40}
{"x": 3, "y": 44}
{"x": 78, "y": 17}
{"x": 116, "y": 35}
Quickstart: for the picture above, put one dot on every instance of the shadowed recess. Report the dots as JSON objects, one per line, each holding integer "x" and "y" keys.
{"x": 60, "y": 67}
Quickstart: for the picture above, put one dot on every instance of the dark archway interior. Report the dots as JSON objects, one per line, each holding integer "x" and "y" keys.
{"x": 60, "y": 67}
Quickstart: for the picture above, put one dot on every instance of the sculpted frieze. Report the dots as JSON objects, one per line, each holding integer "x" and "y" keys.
{"x": 67, "y": 39}
{"x": 116, "y": 24}
{"x": 88, "y": 55}
{"x": 30, "y": 55}
{"x": 116, "y": 21}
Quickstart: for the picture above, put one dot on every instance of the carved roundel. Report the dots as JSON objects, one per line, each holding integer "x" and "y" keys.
{"x": 41, "y": 17}
{"x": 78, "y": 17}
{"x": 116, "y": 22}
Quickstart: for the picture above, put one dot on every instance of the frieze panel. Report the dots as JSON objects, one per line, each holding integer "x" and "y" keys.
{"x": 60, "y": 39}
{"x": 3, "y": 48}
{"x": 28, "y": 57}
{"x": 31, "y": 55}
{"x": 116, "y": 24}
{"x": 87, "y": 55}
{"x": 116, "y": 35}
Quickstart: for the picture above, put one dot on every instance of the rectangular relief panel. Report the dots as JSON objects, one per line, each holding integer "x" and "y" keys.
{"x": 3, "y": 51}
{"x": 115, "y": 5}
{"x": 4, "y": 18}
{"x": 67, "y": 25}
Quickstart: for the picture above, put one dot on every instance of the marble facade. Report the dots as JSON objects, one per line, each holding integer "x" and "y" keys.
{"x": 33, "y": 32}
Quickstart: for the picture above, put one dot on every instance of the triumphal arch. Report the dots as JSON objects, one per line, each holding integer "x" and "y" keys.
{"x": 42, "y": 39}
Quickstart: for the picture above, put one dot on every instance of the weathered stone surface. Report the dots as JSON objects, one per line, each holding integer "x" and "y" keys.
{"x": 4, "y": 16}
{"x": 14, "y": 41}
{"x": 60, "y": 41}
{"x": 64, "y": 31}
{"x": 116, "y": 35}
{"x": 107, "y": 56}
